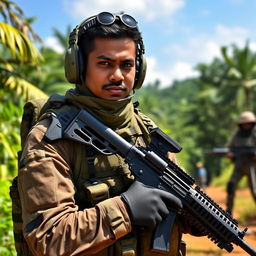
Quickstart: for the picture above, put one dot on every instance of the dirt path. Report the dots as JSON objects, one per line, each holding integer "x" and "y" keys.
{"x": 202, "y": 246}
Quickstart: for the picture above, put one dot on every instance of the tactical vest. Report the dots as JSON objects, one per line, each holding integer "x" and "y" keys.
{"x": 96, "y": 178}
{"x": 248, "y": 141}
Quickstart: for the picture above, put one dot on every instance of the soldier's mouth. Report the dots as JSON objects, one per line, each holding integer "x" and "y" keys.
{"x": 115, "y": 88}
{"x": 119, "y": 89}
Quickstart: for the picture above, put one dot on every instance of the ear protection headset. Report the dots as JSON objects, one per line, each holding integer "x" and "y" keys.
{"x": 74, "y": 59}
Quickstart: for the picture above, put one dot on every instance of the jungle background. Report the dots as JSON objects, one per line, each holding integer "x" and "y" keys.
{"x": 199, "y": 113}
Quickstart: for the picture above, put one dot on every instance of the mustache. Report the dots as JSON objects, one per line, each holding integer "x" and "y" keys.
{"x": 113, "y": 84}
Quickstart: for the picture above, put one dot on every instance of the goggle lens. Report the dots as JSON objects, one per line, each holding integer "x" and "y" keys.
{"x": 128, "y": 20}
{"x": 106, "y": 18}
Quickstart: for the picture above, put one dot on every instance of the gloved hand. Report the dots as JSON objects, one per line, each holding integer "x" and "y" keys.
{"x": 147, "y": 205}
{"x": 230, "y": 156}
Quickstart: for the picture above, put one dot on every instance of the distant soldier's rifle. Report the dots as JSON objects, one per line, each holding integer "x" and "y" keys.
{"x": 243, "y": 151}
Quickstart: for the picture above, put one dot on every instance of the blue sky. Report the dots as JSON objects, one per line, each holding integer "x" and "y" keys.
{"x": 178, "y": 34}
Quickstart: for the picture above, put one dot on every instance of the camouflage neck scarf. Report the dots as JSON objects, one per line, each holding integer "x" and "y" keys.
{"x": 117, "y": 114}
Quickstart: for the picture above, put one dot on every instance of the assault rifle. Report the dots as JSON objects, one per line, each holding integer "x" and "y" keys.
{"x": 151, "y": 166}
{"x": 241, "y": 151}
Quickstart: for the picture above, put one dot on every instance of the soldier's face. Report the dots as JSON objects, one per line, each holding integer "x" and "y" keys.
{"x": 247, "y": 126}
{"x": 110, "y": 70}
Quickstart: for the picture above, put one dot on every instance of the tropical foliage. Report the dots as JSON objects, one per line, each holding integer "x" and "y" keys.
{"x": 6, "y": 237}
{"x": 17, "y": 51}
{"x": 241, "y": 73}
{"x": 50, "y": 76}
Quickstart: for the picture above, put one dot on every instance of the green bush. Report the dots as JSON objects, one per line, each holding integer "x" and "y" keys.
{"x": 6, "y": 228}
{"x": 10, "y": 117}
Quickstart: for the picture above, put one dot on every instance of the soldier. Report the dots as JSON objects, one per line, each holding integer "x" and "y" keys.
{"x": 243, "y": 154}
{"x": 202, "y": 175}
{"x": 74, "y": 200}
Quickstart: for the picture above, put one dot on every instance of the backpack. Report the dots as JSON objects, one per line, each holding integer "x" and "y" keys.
{"x": 33, "y": 110}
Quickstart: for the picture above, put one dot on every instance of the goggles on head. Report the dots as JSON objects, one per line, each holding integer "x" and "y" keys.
{"x": 107, "y": 18}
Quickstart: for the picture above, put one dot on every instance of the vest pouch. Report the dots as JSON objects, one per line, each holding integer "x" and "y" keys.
{"x": 126, "y": 246}
{"x": 96, "y": 192}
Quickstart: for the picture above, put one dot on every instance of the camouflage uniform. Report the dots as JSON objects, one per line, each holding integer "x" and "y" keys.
{"x": 60, "y": 212}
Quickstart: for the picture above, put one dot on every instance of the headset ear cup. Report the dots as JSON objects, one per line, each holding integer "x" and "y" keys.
{"x": 141, "y": 74}
{"x": 72, "y": 64}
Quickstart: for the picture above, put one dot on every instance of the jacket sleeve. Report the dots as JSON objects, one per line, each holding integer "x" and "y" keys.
{"x": 52, "y": 223}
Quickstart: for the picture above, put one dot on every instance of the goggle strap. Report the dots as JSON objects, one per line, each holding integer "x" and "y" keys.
{"x": 90, "y": 23}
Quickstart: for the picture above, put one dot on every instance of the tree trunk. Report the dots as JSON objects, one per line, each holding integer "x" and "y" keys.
{"x": 249, "y": 99}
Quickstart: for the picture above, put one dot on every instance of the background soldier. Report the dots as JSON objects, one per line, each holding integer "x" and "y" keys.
{"x": 201, "y": 175}
{"x": 243, "y": 154}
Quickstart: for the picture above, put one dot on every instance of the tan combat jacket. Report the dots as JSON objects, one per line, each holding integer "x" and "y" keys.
{"x": 53, "y": 222}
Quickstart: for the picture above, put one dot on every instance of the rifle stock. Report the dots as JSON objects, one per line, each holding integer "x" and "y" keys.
{"x": 152, "y": 167}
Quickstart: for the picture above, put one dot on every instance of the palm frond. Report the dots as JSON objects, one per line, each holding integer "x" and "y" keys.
{"x": 24, "y": 88}
{"x": 14, "y": 15}
{"x": 224, "y": 51}
{"x": 19, "y": 45}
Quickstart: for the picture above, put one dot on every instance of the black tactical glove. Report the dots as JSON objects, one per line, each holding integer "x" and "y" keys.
{"x": 147, "y": 205}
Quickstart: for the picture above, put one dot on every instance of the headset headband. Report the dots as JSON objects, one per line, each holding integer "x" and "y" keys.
{"x": 74, "y": 60}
